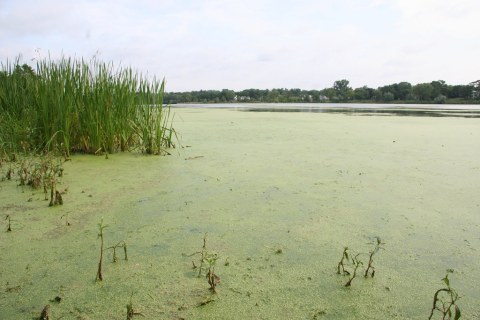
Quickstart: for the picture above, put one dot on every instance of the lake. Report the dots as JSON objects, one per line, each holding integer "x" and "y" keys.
{"x": 279, "y": 195}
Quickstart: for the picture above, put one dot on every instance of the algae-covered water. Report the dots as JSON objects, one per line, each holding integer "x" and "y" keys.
{"x": 279, "y": 196}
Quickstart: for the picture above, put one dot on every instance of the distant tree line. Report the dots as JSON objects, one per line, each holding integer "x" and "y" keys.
{"x": 402, "y": 92}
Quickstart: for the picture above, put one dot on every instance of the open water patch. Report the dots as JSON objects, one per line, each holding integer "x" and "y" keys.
{"x": 354, "y": 109}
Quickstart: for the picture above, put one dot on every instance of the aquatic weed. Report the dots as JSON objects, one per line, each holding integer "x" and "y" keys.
{"x": 130, "y": 311}
{"x": 121, "y": 244}
{"x": 9, "y": 228}
{"x": 378, "y": 245}
{"x": 208, "y": 260}
{"x": 356, "y": 264}
{"x": 341, "y": 264}
{"x": 101, "y": 226}
{"x": 445, "y": 301}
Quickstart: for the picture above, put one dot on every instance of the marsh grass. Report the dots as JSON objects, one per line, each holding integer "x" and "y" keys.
{"x": 74, "y": 105}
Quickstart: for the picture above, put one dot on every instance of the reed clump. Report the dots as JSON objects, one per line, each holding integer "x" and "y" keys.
{"x": 77, "y": 105}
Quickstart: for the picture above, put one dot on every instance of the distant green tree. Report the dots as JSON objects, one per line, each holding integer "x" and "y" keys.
{"x": 24, "y": 70}
{"x": 423, "y": 91}
{"x": 315, "y": 94}
{"x": 388, "y": 96}
{"x": 440, "y": 99}
{"x": 461, "y": 91}
{"x": 342, "y": 90}
{"x": 273, "y": 96}
{"x": 328, "y": 92}
{"x": 363, "y": 93}
{"x": 228, "y": 95}
{"x": 403, "y": 90}
{"x": 439, "y": 88}
{"x": 476, "y": 89}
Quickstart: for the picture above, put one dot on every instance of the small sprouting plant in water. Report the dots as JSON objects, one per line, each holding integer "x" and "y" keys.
{"x": 9, "y": 228}
{"x": 121, "y": 244}
{"x": 378, "y": 245}
{"x": 212, "y": 278}
{"x": 55, "y": 195}
{"x": 130, "y": 311}
{"x": 205, "y": 256}
{"x": 341, "y": 263}
{"x": 45, "y": 315}
{"x": 445, "y": 301}
{"x": 101, "y": 226}
{"x": 208, "y": 259}
{"x": 66, "y": 220}
{"x": 356, "y": 264}
{"x": 9, "y": 173}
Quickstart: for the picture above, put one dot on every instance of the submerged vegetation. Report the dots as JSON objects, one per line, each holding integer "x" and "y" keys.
{"x": 74, "y": 105}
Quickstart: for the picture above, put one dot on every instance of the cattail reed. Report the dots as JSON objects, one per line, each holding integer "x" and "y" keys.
{"x": 76, "y": 105}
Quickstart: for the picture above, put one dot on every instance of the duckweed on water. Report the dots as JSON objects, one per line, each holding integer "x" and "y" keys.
{"x": 287, "y": 189}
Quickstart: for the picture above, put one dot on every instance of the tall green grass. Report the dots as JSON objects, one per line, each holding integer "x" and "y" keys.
{"x": 74, "y": 105}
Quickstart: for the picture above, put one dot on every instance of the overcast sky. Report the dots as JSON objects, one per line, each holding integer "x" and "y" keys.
{"x": 240, "y": 44}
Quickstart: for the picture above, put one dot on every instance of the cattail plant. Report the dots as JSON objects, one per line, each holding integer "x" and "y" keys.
{"x": 81, "y": 105}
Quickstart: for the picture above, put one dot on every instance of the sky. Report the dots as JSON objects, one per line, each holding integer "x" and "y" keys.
{"x": 264, "y": 44}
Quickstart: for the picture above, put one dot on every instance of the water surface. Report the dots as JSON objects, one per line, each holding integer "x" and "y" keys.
{"x": 280, "y": 195}
{"x": 417, "y": 110}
